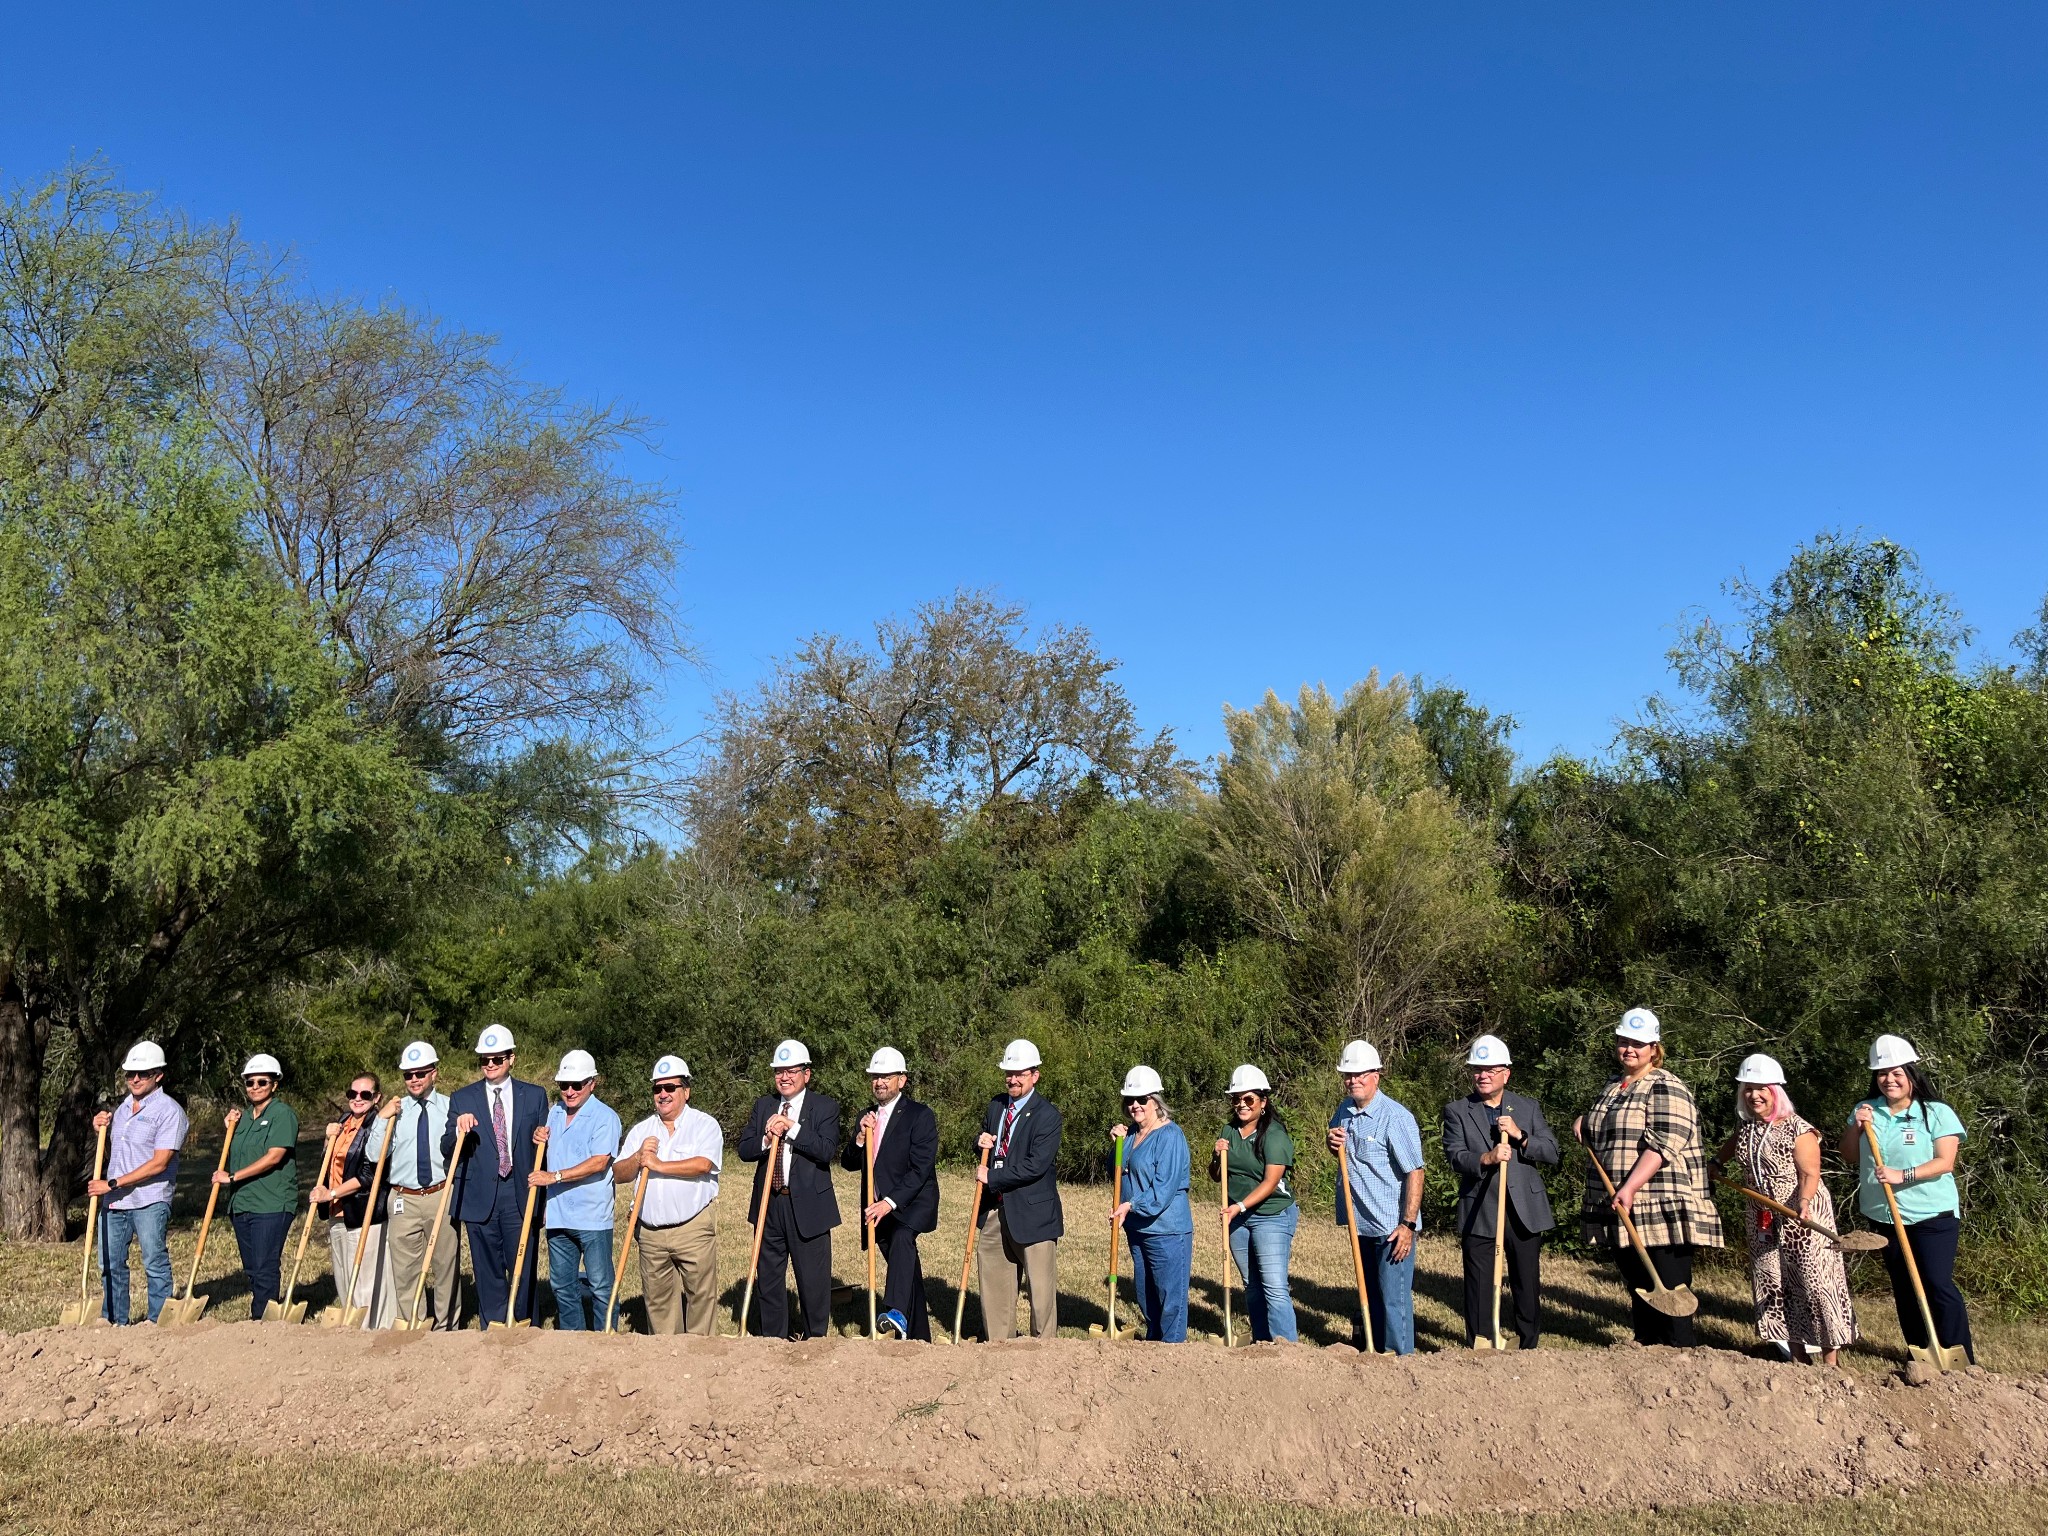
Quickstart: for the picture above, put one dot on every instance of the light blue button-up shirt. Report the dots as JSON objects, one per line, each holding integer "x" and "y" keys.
{"x": 586, "y": 1204}
{"x": 141, "y": 1129}
{"x": 402, "y": 1172}
{"x": 1382, "y": 1146}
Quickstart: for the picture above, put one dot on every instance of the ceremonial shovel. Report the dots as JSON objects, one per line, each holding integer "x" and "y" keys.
{"x": 344, "y": 1313}
{"x": 1223, "y": 1196}
{"x": 632, "y": 1224}
{"x": 1932, "y": 1352}
{"x": 874, "y": 1331}
{"x": 1672, "y": 1301}
{"x": 519, "y": 1261}
{"x": 1848, "y": 1242}
{"x": 80, "y": 1315}
{"x": 967, "y": 1264}
{"x": 289, "y": 1311}
{"x": 412, "y": 1319}
{"x": 760, "y": 1228}
{"x": 189, "y": 1308}
{"x": 1500, "y": 1248}
{"x": 1357, "y": 1258}
{"x": 1096, "y": 1330}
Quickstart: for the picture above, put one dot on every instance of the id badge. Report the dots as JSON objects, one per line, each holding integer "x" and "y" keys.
{"x": 1910, "y": 1137}
{"x": 398, "y": 1205}
{"x": 995, "y": 1164}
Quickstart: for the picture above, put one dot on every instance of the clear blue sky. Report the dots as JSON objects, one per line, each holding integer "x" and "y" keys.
{"x": 1272, "y": 343}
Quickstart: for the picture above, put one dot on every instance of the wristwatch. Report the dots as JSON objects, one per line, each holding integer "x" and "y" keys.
{"x": 1408, "y": 1224}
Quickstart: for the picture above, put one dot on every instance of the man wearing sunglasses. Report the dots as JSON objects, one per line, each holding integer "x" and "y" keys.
{"x": 680, "y": 1149}
{"x": 415, "y": 1175}
{"x": 343, "y": 1193}
{"x": 262, "y": 1178}
{"x": 490, "y": 1191}
{"x": 582, "y": 1141}
{"x": 145, "y": 1133}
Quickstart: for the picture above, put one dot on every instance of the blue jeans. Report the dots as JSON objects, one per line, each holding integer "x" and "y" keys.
{"x": 580, "y": 1270}
{"x": 1160, "y": 1263}
{"x": 150, "y": 1226}
{"x": 1262, "y": 1246}
{"x": 1390, "y": 1295}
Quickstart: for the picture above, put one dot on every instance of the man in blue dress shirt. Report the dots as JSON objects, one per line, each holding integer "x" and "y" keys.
{"x": 1381, "y": 1148}
{"x": 582, "y": 1140}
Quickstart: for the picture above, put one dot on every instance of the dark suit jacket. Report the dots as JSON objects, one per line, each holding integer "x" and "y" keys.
{"x": 1469, "y": 1133}
{"x": 906, "y": 1167}
{"x": 475, "y": 1192}
{"x": 1024, "y": 1184}
{"x": 814, "y": 1146}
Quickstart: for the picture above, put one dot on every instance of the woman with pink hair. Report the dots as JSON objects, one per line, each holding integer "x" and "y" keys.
{"x": 1797, "y": 1276}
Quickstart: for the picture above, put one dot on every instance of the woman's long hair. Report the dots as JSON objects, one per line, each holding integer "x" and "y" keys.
{"x": 1923, "y": 1085}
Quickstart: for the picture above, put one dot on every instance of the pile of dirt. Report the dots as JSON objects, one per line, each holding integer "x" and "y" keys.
{"x": 1546, "y": 1430}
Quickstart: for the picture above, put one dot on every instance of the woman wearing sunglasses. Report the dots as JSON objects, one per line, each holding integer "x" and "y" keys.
{"x": 1155, "y": 1214}
{"x": 344, "y": 1193}
{"x": 262, "y": 1178}
{"x": 1257, "y": 1154}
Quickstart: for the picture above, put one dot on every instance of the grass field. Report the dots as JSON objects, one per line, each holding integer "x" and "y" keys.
{"x": 54, "y": 1484}
{"x": 1583, "y": 1301}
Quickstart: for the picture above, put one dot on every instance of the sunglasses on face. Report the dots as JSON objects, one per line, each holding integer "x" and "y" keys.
{"x": 496, "y": 1061}
{"x": 578, "y": 1087}
{"x": 256, "y": 1082}
{"x": 415, "y": 1075}
{"x": 1244, "y": 1098}
{"x": 362, "y": 1096}
{"x": 663, "y": 1090}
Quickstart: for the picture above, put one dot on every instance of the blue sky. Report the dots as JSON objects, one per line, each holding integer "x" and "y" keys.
{"x": 1272, "y": 343}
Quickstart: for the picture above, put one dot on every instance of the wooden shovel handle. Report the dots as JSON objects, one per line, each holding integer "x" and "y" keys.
{"x": 419, "y": 1288}
{"x": 760, "y": 1226}
{"x": 206, "y": 1221}
{"x": 611, "y": 1310}
{"x": 355, "y": 1264}
{"x": 868, "y": 1230}
{"x": 1635, "y": 1238}
{"x": 1758, "y": 1197}
{"x": 967, "y": 1264}
{"x": 1357, "y": 1258}
{"x": 92, "y": 1223}
{"x": 306, "y": 1232}
{"x": 1934, "y": 1344}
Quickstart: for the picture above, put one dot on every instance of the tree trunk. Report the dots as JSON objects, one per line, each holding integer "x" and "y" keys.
{"x": 31, "y": 1201}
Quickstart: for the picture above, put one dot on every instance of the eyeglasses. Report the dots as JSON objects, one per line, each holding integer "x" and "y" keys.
{"x": 419, "y": 1072}
{"x": 1245, "y": 1098}
{"x": 356, "y": 1096}
{"x": 663, "y": 1090}
{"x": 496, "y": 1061}
{"x": 1487, "y": 1071}
{"x": 256, "y": 1082}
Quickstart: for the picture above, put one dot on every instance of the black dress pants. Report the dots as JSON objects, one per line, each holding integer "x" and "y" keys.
{"x": 903, "y": 1290}
{"x": 811, "y": 1257}
{"x": 1934, "y": 1251}
{"x": 1525, "y": 1283}
{"x": 1674, "y": 1267}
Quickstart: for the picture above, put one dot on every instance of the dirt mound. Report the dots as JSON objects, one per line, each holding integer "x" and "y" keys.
{"x": 1548, "y": 1430}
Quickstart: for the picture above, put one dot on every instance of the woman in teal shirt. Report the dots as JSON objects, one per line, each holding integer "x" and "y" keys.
{"x": 1919, "y": 1136}
{"x": 1155, "y": 1214}
{"x": 1255, "y": 1155}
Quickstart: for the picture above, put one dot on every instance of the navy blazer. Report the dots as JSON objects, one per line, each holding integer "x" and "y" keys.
{"x": 1022, "y": 1184}
{"x": 813, "y": 1149}
{"x": 476, "y": 1188}
{"x": 906, "y": 1167}
{"x": 1469, "y": 1132}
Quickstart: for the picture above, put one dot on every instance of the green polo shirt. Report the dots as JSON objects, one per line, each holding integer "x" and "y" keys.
{"x": 1247, "y": 1169}
{"x": 1907, "y": 1141}
{"x": 277, "y": 1190}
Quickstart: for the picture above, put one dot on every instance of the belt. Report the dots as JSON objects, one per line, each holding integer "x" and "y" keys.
{"x": 668, "y": 1226}
{"x": 782, "y": 1193}
{"x": 431, "y": 1189}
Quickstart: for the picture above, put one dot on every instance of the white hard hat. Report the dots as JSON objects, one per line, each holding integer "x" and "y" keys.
{"x": 1888, "y": 1051}
{"x": 670, "y": 1066}
{"x": 494, "y": 1039}
{"x": 1248, "y": 1079}
{"x": 143, "y": 1056}
{"x": 1760, "y": 1069}
{"x": 418, "y": 1054}
{"x": 1358, "y": 1057}
{"x": 1489, "y": 1051}
{"x": 262, "y": 1061}
{"x": 791, "y": 1053}
{"x": 1141, "y": 1082}
{"x": 1019, "y": 1056}
{"x": 576, "y": 1067}
{"x": 1639, "y": 1024}
{"x": 888, "y": 1059}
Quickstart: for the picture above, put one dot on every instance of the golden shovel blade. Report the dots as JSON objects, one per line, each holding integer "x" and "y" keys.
{"x": 180, "y": 1311}
{"x": 1484, "y": 1341}
{"x": 74, "y": 1315}
{"x": 1673, "y": 1301}
{"x": 1861, "y": 1242}
{"x": 278, "y": 1312}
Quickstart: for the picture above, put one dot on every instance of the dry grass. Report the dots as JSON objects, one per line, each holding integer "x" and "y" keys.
{"x": 1583, "y": 1302}
{"x": 56, "y": 1484}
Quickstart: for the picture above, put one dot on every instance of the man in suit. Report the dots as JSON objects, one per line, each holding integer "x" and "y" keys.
{"x": 490, "y": 1197}
{"x": 1472, "y": 1132}
{"x": 1023, "y": 1223}
{"x": 905, "y": 1199}
{"x": 802, "y": 1210}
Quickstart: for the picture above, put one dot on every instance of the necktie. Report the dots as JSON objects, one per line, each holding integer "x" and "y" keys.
{"x": 1009, "y": 1119}
{"x": 425, "y": 1171}
{"x": 775, "y": 1178}
{"x": 502, "y": 1131}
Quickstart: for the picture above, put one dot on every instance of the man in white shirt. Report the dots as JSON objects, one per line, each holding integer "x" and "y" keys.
{"x": 680, "y": 1149}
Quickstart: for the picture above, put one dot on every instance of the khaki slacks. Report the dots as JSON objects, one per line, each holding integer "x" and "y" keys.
{"x": 373, "y": 1287}
{"x": 409, "y": 1220}
{"x": 999, "y": 1263}
{"x": 679, "y": 1274}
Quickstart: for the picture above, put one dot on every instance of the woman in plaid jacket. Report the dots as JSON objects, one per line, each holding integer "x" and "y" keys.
{"x": 1645, "y": 1129}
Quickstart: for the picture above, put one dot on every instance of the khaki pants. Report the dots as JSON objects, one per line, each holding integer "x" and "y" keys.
{"x": 409, "y": 1220}
{"x": 679, "y": 1274}
{"x": 373, "y": 1280}
{"x": 999, "y": 1263}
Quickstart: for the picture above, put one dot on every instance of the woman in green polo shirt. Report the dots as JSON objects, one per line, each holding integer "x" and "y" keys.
{"x": 262, "y": 1178}
{"x": 1919, "y": 1136}
{"x": 1257, "y": 1154}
